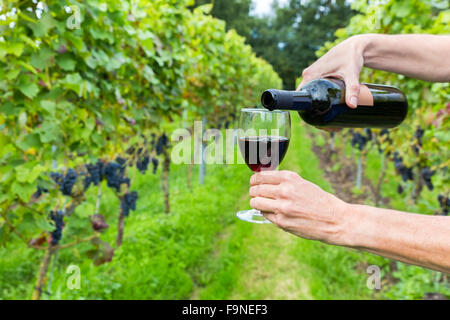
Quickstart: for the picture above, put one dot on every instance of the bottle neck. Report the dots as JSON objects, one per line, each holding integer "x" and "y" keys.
{"x": 301, "y": 100}
{"x": 286, "y": 100}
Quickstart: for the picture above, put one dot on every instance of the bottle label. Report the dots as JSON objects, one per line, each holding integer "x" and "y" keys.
{"x": 365, "y": 96}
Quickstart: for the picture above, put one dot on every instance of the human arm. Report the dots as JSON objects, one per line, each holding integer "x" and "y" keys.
{"x": 304, "y": 209}
{"x": 418, "y": 56}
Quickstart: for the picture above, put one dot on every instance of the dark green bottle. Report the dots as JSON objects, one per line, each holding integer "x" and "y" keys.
{"x": 321, "y": 103}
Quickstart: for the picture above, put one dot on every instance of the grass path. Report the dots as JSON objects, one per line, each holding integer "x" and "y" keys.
{"x": 270, "y": 271}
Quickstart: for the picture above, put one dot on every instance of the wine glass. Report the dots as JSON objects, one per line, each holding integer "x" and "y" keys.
{"x": 263, "y": 140}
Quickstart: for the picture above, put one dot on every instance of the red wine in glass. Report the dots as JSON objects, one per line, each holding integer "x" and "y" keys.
{"x": 263, "y": 153}
{"x": 263, "y": 140}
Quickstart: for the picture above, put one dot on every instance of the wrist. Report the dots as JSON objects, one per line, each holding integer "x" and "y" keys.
{"x": 354, "y": 226}
{"x": 365, "y": 46}
{"x": 371, "y": 48}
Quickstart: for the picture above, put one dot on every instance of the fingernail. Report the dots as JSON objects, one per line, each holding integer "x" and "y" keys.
{"x": 354, "y": 101}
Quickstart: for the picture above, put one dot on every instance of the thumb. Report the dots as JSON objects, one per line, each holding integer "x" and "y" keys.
{"x": 352, "y": 91}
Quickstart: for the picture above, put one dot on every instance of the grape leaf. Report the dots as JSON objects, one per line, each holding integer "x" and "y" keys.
{"x": 66, "y": 63}
{"x": 29, "y": 89}
{"x": 24, "y": 191}
{"x": 44, "y": 25}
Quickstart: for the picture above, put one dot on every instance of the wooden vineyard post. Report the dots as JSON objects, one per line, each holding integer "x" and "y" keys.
{"x": 120, "y": 228}
{"x": 189, "y": 165}
{"x": 189, "y": 175}
{"x": 380, "y": 180}
{"x": 418, "y": 186}
{"x": 40, "y": 282}
{"x": 202, "y": 169}
{"x": 165, "y": 180}
{"x": 359, "y": 171}
{"x": 189, "y": 169}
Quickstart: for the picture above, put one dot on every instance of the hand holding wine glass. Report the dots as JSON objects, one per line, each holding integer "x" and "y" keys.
{"x": 299, "y": 206}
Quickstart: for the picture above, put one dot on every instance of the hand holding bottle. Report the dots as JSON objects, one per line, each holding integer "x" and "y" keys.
{"x": 343, "y": 61}
{"x": 403, "y": 54}
{"x": 321, "y": 103}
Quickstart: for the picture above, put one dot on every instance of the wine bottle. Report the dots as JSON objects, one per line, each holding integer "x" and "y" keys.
{"x": 321, "y": 103}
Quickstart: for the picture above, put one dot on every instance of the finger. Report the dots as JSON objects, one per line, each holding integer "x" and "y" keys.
{"x": 270, "y": 216}
{"x": 264, "y": 190}
{"x": 271, "y": 177}
{"x": 352, "y": 91}
{"x": 266, "y": 177}
{"x": 264, "y": 204}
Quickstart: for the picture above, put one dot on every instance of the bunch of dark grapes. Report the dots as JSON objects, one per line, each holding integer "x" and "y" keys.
{"x": 142, "y": 163}
{"x": 123, "y": 165}
{"x": 369, "y": 135}
{"x": 114, "y": 173}
{"x": 95, "y": 173}
{"x": 400, "y": 189}
{"x": 39, "y": 192}
{"x": 58, "y": 219}
{"x": 426, "y": 175}
{"x": 122, "y": 162}
{"x": 128, "y": 202}
{"x": 65, "y": 182}
{"x": 57, "y": 177}
{"x": 130, "y": 150}
{"x": 153, "y": 141}
{"x": 444, "y": 203}
{"x": 358, "y": 140}
{"x": 162, "y": 143}
{"x": 404, "y": 171}
{"x": 68, "y": 182}
{"x": 418, "y": 135}
{"x": 221, "y": 122}
{"x": 383, "y": 133}
{"x": 155, "y": 163}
